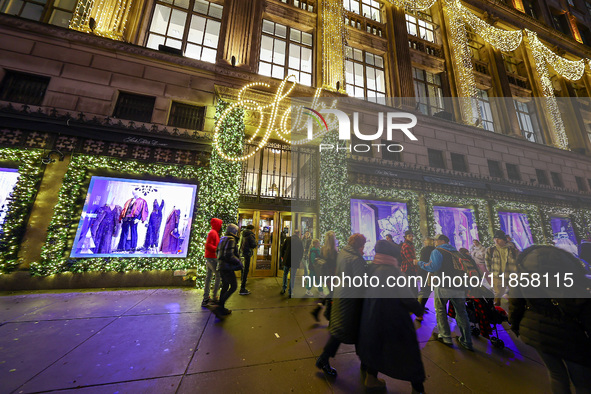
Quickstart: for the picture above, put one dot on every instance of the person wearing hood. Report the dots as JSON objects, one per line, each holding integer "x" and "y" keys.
{"x": 248, "y": 243}
{"x": 386, "y": 326}
{"x": 441, "y": 262}
{"x": 557, "y": 327}
{"x": 211, "y": 261}
{"x": 229, "y": 261}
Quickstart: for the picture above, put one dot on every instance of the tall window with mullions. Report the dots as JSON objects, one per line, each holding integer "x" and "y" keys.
{"x": 286, "y": 51}
{"x": 364, "y": 75}
{"x": 367, "y": 8}
{"x": 420, "y": 24}
{"x": 192, "y": 26}
{"x": 528, "y": 122}
{"x": 485, "y": 108}
{"x": 428, "y": 92}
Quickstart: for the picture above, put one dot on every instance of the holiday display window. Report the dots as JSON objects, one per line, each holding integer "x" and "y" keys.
{"x": 563, "y": 234}
{"x": 135, "y": 218}
{"x": 458, "y": 224}
{"x": 8, "y": 179}
{"x": 376, "y": 219}
{"x": 516, "y": 225}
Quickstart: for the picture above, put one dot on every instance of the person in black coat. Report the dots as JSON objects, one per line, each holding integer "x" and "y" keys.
{"x": 558, "y": 328}
{"x": 387, "y": 339}
{"x": 347, "y": 302}
{"x": 425, "y": 292}
{"x": 292, "y": 252}
{"x": 248, "y": 243}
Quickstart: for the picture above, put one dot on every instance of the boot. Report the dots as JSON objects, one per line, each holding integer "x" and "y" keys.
{"x": 316, "y": 312}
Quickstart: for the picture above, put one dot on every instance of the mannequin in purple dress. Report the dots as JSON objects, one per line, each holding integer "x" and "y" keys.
{"x": 154, "y": 223}
{"x": 105, "y": 227}
{"x": 170, "y": 238}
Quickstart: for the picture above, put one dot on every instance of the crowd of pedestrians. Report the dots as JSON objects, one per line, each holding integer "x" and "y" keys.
{"x": 378, "y": 320}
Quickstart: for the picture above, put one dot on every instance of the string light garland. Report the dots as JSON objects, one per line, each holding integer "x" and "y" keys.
{"x": 501, "y": 39}
{"x": 570, "y": 69}
{"x": 533, "y": 216}
{"x": 110, "y": 17}
{"x": 418, "y": 5}
{"x": 333, "y": 44}
{"x": 552, "y": 111}
{"x": 19, "y": 203}
{"x": 480, "y": 206}
{"x": 463, "y": 66}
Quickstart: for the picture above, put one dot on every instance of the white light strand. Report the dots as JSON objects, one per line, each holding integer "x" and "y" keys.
{"x": 552, "y": 110}
{"x": 501, "y": 39}
{"x": 572, "y": 70}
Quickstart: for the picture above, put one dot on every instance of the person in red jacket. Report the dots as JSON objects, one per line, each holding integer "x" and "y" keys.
{"x": 409, "y": 257}
{"x": 211, "y": 244}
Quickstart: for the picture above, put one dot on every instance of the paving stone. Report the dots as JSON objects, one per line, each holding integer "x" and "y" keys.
{"x": 148, "y": 386}
{"x": 130, "y": 348}
{"x": 27, "y": 348}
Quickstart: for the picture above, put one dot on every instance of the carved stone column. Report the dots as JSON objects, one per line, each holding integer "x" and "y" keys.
{"x": 498, "y": 66}
{"x": 403, "y": 79}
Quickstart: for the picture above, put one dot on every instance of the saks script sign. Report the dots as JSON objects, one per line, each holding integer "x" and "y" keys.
{"x": 277, "y": 123}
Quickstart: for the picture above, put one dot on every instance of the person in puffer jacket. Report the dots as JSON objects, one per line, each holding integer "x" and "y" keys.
{"x": 558, "y": 328}
{"x": 211, "y": 261}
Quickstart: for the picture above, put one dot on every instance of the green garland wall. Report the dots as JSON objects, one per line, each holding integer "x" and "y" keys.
{"x": 19, "y": 204}
{"x": 533, "y": 215}
{"x": 333, "y": 194}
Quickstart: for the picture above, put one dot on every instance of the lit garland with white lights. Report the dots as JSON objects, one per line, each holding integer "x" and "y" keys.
{"x": 533, "y": 216}
{"x": 463, "y": 66}
{"x": 19, "y": 203}
{"x": 418, "y": 5}
{"x": 67, "y": 214}
{"x": 501, "y": 39}
{"x": 479, "y": 205}
{"x": 333, "y": 43}
{"x": 552, "y": 110}
{"x": 110, "y": 17}
{"x": 570, "y": 69}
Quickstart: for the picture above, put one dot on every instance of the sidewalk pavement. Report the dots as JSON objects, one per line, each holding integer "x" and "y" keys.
{"x": 162, "y": 341}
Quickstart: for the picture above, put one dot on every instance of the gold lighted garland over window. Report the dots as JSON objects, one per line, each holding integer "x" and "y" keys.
{"x": 106, "y": 18}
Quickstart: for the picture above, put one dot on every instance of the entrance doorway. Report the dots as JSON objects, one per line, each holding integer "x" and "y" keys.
{"x": 271, "y": 228}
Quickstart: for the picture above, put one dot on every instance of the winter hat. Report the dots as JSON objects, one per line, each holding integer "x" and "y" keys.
{"x": 232, "y": 229}
{"x": 441, "y": 237}
{"x": 389, "y": 248}
{"x": 408, "y": 232}
{"x": 500, "y": 234}
{"x": 250, "y": 227}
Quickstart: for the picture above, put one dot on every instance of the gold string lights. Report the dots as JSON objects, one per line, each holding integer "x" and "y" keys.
{"x": 333, "y": 43}
{"x": 501, "y": 39}
{"x": 552, "y": 110}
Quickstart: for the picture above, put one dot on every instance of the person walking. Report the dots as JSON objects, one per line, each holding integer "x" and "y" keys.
{"x": 329, "y": 253}
{"x": 425, "y": 292}
{"x": 478, "y": 253}
{"x": 386, "y": 327}
{"x": 313, "y": 254}
{"x": 211, "y": 261}
{"x": 558, "y": 328}
{"x": 292, "y": 251}
{"x": 248, "y": 244}
{"x": 409, "y": 257}
{"x": 500, "y": 259}
{"x": 229, "y": 262}
{"x": 345, "y": 315}
{"x": 441, "y": 262}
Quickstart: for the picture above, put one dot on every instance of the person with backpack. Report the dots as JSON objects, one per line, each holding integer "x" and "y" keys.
{"x": 229, "y": 261}
{"x": 211, "y": 261}
{"x": 425, "y": 292}
{"x": 248, "y": 243}
{"x": 329, "y": 254}
{"x": 558, "y": 328}
{"x": 445, "y": 261}
{"x": 292, "y": 252}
